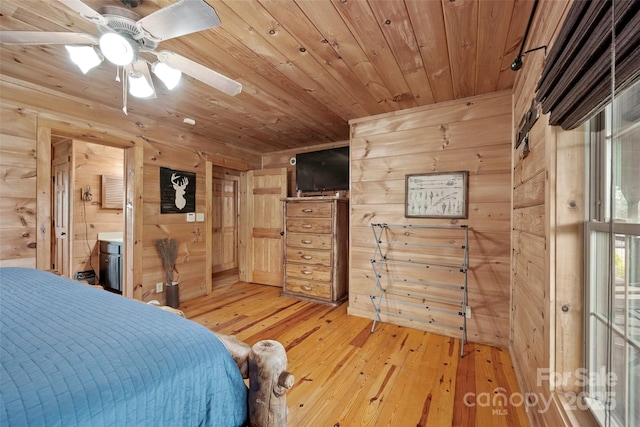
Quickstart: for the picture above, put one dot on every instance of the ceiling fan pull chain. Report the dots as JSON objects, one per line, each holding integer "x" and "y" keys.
{"x": 124, "y": 92}
{"x": 118, "y": 73}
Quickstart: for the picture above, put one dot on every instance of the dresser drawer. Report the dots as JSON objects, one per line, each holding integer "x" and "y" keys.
{"x": 308, "y": 256}
{"x": 309, "y": 210}
{"x": 311, "y": 241}
{"x": 308, "y": 272}
{"x": 310, "y": 225}
{"x": 306, "y": 287}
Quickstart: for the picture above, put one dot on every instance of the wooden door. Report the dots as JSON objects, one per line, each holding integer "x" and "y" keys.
{"x": 224, "y": 221}
{"x": 264, "y": 226}
{"x": 61, "y": 255}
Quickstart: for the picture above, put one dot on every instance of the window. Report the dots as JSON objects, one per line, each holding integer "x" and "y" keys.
{"x": 613, "y": 262}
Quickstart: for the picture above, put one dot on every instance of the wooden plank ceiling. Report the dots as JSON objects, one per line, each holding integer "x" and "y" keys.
{"x": 306, "y": 66}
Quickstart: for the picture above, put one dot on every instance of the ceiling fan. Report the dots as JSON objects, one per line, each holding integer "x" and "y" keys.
{"x": 125, "y": 34}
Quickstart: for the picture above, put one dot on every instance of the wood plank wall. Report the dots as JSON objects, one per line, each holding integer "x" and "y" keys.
{"x": 191, "y": 261}
{"x": 18, "y": 186}
{"x": 21, "y": 107}
{"x": 473, "y": 134}
{"x": 531, "y": 317}
{"x": 547, "y": 240}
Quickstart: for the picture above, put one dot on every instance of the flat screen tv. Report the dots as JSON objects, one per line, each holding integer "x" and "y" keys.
{"x": 324, "y": 170}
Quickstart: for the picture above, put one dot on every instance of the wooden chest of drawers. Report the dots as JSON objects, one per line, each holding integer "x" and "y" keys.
{"x": 316, "y": 248}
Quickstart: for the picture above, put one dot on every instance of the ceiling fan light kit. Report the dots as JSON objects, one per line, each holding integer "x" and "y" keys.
{"x": 138, "y": 86}
{"x": 170, "y": 76}
{"x": 117, "y": 49}
{"x": 85, "y": 57}
{"x": 125, "y": 34}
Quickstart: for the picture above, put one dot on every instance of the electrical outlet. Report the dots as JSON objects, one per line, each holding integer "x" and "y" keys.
{"x": 468, "y": 312}
{"x": 199, "y": 217}
{"x": 158, "y": 287}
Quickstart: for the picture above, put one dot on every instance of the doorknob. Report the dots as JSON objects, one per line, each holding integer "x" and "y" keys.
{"x": 62, "y": 233}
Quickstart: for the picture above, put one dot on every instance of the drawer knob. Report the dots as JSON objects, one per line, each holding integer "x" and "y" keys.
{"x": 306, "y": 257}
{"x": 307, "y": 210}
{"x": 306, "y": 287}
{"x": 307, "y": 272}
{"x": 306, "y": 242}
{"x": 306, "y": 226}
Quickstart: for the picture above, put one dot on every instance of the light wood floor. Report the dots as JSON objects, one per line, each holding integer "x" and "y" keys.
{"x": 347, "y": 376}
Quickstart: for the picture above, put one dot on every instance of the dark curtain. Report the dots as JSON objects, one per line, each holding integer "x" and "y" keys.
{"x": 576, "y": 80}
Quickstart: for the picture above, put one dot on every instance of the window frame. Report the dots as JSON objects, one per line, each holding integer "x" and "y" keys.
{"x": 601, "y": 145}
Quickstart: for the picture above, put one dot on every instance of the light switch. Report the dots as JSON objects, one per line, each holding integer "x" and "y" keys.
{"x": 191, "y": 217}
{"x": 200, "y": 217}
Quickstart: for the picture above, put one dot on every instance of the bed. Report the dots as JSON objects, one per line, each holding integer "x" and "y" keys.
{"x": 75, "y": 355}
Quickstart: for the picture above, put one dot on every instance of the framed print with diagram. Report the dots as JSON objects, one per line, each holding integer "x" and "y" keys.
{"x": 436, "y": 195}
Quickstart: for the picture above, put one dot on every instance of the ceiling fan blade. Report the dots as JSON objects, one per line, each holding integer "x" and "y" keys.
{"x": 43, "y": 37}
{"x": 180, "y": 18}
{"x": 85, "y": 11}
{"x": 200, "y": 72}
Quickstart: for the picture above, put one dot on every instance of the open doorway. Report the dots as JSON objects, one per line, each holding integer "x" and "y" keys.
{"x": 225, "y": 224}
{"x": 247, "y": 225}
{"x": 88, "y": 211}
{"x": 133, "y": 178}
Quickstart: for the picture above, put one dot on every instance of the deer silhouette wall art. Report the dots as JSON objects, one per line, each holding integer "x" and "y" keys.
{"x": 178, "y": 191}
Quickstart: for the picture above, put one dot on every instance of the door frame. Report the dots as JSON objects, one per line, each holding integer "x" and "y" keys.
{"x": 133, "y": 209}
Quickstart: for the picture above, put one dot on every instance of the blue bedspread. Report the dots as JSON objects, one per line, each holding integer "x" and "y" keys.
{"x": 73, "y": 355}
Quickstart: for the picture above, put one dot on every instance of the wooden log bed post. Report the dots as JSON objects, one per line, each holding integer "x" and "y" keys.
{"x": 268, "y": 383}
{"x": 239, "y": 352}
{"x": 265, "y": 364}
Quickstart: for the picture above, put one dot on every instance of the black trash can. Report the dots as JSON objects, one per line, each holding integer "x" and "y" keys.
{"x": 173, "y": 294}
